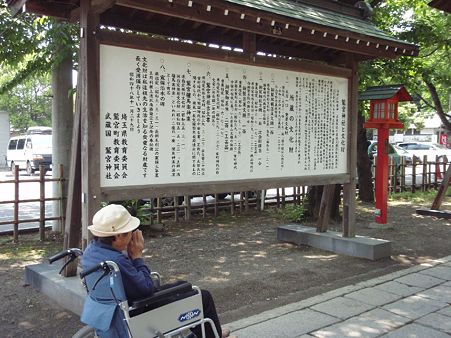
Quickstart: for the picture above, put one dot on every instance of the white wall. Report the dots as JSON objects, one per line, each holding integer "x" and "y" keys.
{"x": 4, "y": 137}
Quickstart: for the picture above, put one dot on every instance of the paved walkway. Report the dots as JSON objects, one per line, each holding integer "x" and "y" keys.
{"x": 414, "y": 302}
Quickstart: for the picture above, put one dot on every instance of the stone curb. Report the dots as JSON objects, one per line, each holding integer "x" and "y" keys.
{"x": 280, "y": 311}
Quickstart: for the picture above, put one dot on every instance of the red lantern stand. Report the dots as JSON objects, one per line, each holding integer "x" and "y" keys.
{"x": 383, "y": 117}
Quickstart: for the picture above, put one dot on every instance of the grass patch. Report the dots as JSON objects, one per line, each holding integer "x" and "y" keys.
{"x": 291, "y": 213}
{"x": 417, "y": 197}
{"x": 29, "y": 249}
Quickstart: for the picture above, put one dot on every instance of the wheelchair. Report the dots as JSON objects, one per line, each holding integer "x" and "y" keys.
{"x": 170, "y": 312}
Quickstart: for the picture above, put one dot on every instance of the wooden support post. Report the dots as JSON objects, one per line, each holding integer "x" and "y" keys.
{"x": 424, "y": 175}
{"x": 349, "y": 189}
{"x": 90, "y": 106}
{"x": 176, "y": 208}
{"x": 414, "y": 174}
{"x": 216, "y": 205}
{"x": 246, "y": 201}
{"x": 41, "y": 203}
{"x": 249, "y": 45}
{"x": 403, "y": 174}
{"x": 62, "y": 194}
{"x": 442, "y": 190}
{"x": 241, "y": 201}
{"x": 232, "y": 204}
{"x": 325, "y": 208}
{"x": 283, "y": 197}
{"x": 204, "y": 205}
{"x": 16, "y": 204}
{"x": 188, "y": 208}
{"x": 72, "y": 227}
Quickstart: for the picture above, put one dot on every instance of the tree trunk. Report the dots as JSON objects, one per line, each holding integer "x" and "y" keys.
{"x": 438, "y": 104}
{"x": 365, "y": 180}
{"x": 62, "y": 123}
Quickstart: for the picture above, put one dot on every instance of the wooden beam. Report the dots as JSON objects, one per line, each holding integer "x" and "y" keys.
{"x": 56, "y": 10}
{"x": 16, "y": 6}
{"x": 97, "y": 7}
{"x": 349, "y": 189}
{"x": 203, "y": 34}
{"x": 209, "y": 34}
{"x": 249, "y": 44}
{"x": 442, "y": 190}
{"x": 325, "y": 208}
{"x": 179, "y": 48}
{"x": 90, "y": 138}
{"x": 72, "y": 229}
{"x": 100, "y": 6}
{"x": 303, "y": 51}
{"x": 434, "y": 213}
{"x": 181, "y": 189}
{"x": 216, "y": 16}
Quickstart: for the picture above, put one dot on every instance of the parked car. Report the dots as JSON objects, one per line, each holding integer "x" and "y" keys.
{"x": 431, "y": 150}
{"x": 394, "y": 152}
{"x": 31, "y": 150}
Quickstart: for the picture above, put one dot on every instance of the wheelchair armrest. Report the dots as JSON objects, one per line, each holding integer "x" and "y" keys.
{"x": 167, "y": 295}
{"x": 156, "y": 278}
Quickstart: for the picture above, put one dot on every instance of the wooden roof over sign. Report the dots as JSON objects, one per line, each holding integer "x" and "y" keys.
{"x": 444, "y": 5}
{"x": 322, "y": 30}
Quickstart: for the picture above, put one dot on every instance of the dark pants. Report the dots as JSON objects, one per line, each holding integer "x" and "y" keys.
{"x": 209, "y": 312}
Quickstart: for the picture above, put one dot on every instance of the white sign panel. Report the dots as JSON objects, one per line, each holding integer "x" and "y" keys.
{"x": 176, "y": 119}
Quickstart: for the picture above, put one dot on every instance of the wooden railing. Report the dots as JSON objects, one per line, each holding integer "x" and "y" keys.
{"x": 181, "y": 206}
{"x": 419, "y": 175}
{"x": 16, "y": 203}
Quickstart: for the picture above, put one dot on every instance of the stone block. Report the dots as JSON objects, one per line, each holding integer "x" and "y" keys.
{"x": 67, "y": 292}
{"x": 359, "y": 246}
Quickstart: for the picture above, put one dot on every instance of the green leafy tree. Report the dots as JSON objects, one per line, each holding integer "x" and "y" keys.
{"x": 426, "y": 77}
{"x": 30, "y": 103}
{"x": 30, "y": 49}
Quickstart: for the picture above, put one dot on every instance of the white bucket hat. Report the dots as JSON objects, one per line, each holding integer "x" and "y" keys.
{"x": 112, "y": 220}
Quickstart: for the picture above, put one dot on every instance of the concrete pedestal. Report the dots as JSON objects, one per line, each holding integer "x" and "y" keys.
{"x": 67, "y": 292}
{"x": 359, "y": 246}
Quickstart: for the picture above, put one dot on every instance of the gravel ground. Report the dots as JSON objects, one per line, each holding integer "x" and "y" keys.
{"x": 237, "y": 258}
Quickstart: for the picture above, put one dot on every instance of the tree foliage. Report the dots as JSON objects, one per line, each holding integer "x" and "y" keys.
{"x": 428, "y": 76}
{"x": 30, "y": 47}
{"x": 30, "y": 103}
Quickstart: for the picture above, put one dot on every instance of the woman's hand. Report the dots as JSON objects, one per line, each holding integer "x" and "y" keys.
{"x": 136, "y": 245}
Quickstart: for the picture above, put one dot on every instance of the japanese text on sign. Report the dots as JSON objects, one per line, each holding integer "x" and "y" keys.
{"x": 175, "y": 119}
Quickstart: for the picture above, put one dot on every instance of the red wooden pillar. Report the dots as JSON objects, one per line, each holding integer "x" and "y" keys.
{"x": 382, "y": 176}
{"x": 383, "y": 117}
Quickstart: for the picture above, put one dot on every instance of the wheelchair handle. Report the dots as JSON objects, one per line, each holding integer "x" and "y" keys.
{"x": 73, "y": 252}
{"x": 106, "y": 266}
{"x": 100, "y": 266}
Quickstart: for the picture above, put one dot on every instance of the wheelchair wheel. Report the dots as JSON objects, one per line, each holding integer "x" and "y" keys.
{"x": 85, "y": 332}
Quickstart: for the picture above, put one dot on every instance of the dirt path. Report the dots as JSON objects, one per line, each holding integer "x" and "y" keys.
{"x": 237, "y": 258}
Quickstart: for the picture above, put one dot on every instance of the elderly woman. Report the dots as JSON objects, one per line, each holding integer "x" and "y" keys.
{"x": 115, "y": 231}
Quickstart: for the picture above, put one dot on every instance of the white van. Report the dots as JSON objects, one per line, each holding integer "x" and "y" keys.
{"x": 31, "y": 150}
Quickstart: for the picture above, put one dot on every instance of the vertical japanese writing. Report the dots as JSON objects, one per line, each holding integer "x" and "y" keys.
{"x": 193, "y": 120}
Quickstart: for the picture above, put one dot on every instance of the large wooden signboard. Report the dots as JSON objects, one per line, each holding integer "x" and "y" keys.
{"x": 168, "y": 119}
